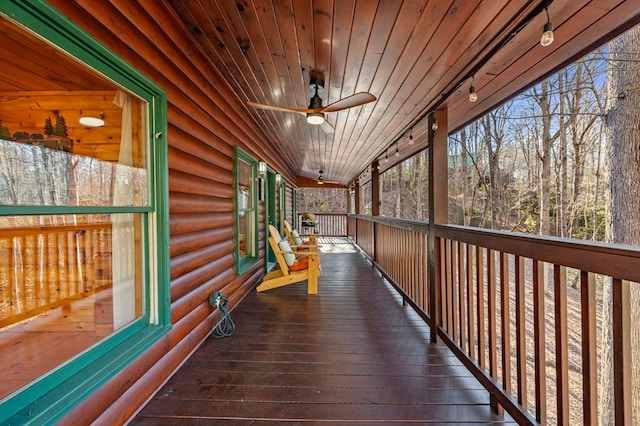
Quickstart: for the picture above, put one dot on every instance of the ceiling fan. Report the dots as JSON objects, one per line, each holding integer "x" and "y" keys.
{"x": 321, "y": 180}
{"x": 315, "y": 112}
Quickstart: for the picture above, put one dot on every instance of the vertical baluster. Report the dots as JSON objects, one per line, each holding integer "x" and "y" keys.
{"x": 480, "y": 305}
{"x": 621, "y": 316}
{"x": 20, "y": 257}
{"x": 446, "y": 293}
{"x": 521, "y": 335}
{"x": 539, "y": 341}
{"x": 505, "y": 322}
{"x": 589, "y": 355}
{"x": 462, "y": 286}
{"x": 492, "y": 315}
{"x": 453, "y": 286}
{"x": 562, "y": 364}
{"x": 470, "y": 307}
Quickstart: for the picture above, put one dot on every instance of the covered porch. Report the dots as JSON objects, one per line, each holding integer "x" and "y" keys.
{"x": 353, "y": 353}
{"x": 358, "y": 351}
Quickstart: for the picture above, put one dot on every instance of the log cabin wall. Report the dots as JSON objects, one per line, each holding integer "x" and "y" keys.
{"x": 205, "y": 123}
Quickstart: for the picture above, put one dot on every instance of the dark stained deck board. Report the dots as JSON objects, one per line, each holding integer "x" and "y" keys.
{"x": 350, "y": 354}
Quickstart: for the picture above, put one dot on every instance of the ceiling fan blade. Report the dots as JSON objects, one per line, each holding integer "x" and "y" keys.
{"x": 279, "y": 108}
{"x": 354, "y": 100}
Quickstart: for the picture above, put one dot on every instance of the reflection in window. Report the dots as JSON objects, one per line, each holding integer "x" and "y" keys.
{"x": 75, "y": 202}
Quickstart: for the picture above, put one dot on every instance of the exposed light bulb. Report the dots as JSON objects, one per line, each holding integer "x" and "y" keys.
{"x": 473, "y": 96}
{"x": 547, "y": 34}
{"x": 434, "y": 125}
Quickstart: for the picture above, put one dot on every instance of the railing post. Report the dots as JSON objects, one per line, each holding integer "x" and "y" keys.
{"x": 622, "y": 351}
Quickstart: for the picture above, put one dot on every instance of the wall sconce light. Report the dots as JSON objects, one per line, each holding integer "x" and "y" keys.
{"x": 547, "y": 34}
{"x": 473, "y": 96}
{"x": 262, "y": 168}
{"x": 434, "y": 125}
{"x": 278, "y": 178}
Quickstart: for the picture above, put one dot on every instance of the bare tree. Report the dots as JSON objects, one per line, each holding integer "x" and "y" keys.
{"x": 623, "y": 214}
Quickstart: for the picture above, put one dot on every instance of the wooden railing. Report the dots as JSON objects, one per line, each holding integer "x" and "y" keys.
{"x": 523, "y": 313}
{"x": 326, "y": 224}
{"x": 50, "y": 267}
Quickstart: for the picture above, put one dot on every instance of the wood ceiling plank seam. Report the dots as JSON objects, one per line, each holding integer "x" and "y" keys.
{"x": 420, "y": 106}
{"x": 303, "y": 17}
{"x": 266, "y": 24}
{"x": 291, "y": 76}
{"x": 567, "y": 50}
{"x": 360, "y": 34}
{"x": 274, "y": 121}
{"x": 237, "y": 131}
{"x": 383, "y": 23}
{"x": 444, "y": 35}
{"x": 224, "y": 98}
{"x": 410, "y": 14}
{"x": 249, "y": 45}
{"x": 341, "y": 32}
{"x": 322, "y": 38}
{"x": 291, "y": 48}
{"x": 256, "y": 136}
{"x": 203, "y": 31}
{"x": 251, "y": 135}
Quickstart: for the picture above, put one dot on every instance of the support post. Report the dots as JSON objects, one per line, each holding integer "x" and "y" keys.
{"x": 438, "y": 210}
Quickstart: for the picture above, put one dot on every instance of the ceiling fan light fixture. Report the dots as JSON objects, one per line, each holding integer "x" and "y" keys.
{"x": 315, "y": 118}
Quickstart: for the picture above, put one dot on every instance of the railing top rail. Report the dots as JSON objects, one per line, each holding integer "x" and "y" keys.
{"x": 616, "y": 260}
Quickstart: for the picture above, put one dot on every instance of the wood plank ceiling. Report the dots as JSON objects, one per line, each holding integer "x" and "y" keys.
{"x": 413, "y": 55}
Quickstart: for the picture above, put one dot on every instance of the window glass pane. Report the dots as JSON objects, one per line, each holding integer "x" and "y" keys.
{"x": 99, "y": 166}
{"x": 69, "y": 137}
{"x": 245, "y": 209}
{"x": 63, "y": 288}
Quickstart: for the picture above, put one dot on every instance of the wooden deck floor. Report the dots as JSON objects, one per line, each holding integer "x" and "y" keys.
{"x": 350, "y": 355}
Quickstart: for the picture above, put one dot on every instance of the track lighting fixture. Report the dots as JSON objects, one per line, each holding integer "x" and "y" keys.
{"x": 547, "y": 34}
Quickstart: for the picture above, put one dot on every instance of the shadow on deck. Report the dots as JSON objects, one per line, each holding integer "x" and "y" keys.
{"x": 351, "y": 354}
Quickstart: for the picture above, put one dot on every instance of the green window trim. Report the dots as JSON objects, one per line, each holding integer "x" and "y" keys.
{"x": 243, "y": 263}
{"x": 53, "y": 395}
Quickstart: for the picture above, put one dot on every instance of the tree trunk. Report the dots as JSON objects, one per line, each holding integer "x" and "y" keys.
{"x": 623, "y": 214}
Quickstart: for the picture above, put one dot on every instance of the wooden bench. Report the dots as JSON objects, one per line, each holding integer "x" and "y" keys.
{"x": 306, "y": 265}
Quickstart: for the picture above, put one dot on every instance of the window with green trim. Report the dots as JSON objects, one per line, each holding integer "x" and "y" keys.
{"x": 83, "y": 214}
{"x": 246, "y": 226}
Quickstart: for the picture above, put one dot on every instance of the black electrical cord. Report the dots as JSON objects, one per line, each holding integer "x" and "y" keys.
{"x": 225, "y": 327}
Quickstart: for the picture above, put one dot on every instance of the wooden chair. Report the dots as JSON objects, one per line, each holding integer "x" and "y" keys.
{"x": 305, "y": 267}
{"x": 296, "y": 240}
